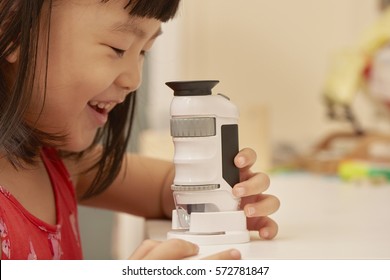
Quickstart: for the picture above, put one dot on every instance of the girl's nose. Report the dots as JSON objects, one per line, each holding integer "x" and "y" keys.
{"x": 130, "y": 77}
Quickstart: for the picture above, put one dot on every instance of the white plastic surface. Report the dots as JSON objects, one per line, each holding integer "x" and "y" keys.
{"x": 213, "y": 228}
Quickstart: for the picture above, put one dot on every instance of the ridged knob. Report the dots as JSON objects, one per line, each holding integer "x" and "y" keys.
{"x": 193, "y": 127}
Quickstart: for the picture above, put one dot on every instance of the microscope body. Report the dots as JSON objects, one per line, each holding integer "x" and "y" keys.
{"x": 204, "y": 128}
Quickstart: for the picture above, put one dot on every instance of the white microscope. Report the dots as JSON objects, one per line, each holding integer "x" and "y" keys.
{"x": 204, "y": 128}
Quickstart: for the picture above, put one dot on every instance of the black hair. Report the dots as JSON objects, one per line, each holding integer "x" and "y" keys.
{"x": 20, "y": 141}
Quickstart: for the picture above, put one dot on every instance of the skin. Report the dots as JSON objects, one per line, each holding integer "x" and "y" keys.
{"x": 85, "y": 66}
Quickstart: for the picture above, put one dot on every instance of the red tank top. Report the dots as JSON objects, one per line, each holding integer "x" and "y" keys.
{"x": 24, "y": 236}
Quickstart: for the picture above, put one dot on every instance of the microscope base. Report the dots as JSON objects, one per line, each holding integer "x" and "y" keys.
{"x": 212, "y": 228}
{"x": 211, "y": 239}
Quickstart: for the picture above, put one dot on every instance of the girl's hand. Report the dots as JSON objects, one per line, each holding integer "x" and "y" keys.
{"x": 174, "y": 249}
{"x": 256, "y": 205}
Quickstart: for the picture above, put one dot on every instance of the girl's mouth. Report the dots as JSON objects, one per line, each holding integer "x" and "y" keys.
{"x": 101, "y": 110}
{"x": 100, "y": 107}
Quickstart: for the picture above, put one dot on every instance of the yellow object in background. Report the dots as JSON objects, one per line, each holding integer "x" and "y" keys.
{"x": 378, "y": 35}
{"x": 355, "y": 170}
{"x": 348, "y": 72}
{"x": 345, "y": 77}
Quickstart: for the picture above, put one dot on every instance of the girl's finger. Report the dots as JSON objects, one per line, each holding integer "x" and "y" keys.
{"x": 144, "y": 249}
{"x": 231, "y": 254}
{"x": 255, "y": 185}
{"x": 265, "y": 205}
{"x": 266, "y": 227}
{"x": 245, "y": 158}
{"x": 172, "y": 249}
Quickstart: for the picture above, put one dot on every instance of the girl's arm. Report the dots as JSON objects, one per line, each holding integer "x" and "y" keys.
{"x": 141, "y": 188}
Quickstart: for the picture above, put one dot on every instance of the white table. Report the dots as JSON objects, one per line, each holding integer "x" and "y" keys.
{"x": 320, "y": 218}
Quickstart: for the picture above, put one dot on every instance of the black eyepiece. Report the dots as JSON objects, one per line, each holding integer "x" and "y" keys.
{"x": 192, "y": 88}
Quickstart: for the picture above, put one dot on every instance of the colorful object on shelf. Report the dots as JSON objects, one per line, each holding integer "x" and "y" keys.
{"x": 351, "y": 68}
{"x": 358, "y": 170}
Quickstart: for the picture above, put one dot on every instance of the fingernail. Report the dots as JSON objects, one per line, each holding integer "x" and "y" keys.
{"x": 240, "y": 161}
{"x": 235, "y": 254}
{"x": 250, "y": 211}
{"x": 239, "y": 191}
{"x": 196, "y": 249}
{"x": 265, "y": 233}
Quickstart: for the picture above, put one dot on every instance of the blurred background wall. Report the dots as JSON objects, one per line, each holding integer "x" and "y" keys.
{"x": 274, "y": 54}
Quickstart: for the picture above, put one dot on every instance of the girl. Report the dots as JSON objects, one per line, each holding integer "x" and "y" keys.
{"x": 69, "y": 71}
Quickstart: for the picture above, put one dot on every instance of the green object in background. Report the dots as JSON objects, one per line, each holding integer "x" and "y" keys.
{"x": 352, "y": 170}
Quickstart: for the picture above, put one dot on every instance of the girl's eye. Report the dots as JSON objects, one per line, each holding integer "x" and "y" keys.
{"x": 119, "y": 52}
{"x": 143, "y": 53}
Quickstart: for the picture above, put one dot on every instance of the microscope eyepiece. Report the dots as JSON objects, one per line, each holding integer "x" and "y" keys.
{"x": 192, "y": 88}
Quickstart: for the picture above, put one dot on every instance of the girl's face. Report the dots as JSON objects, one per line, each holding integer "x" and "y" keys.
{"x": 96, "y": 53}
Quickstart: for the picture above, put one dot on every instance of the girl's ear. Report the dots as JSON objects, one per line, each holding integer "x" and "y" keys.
{"x": 14, "y": 56}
